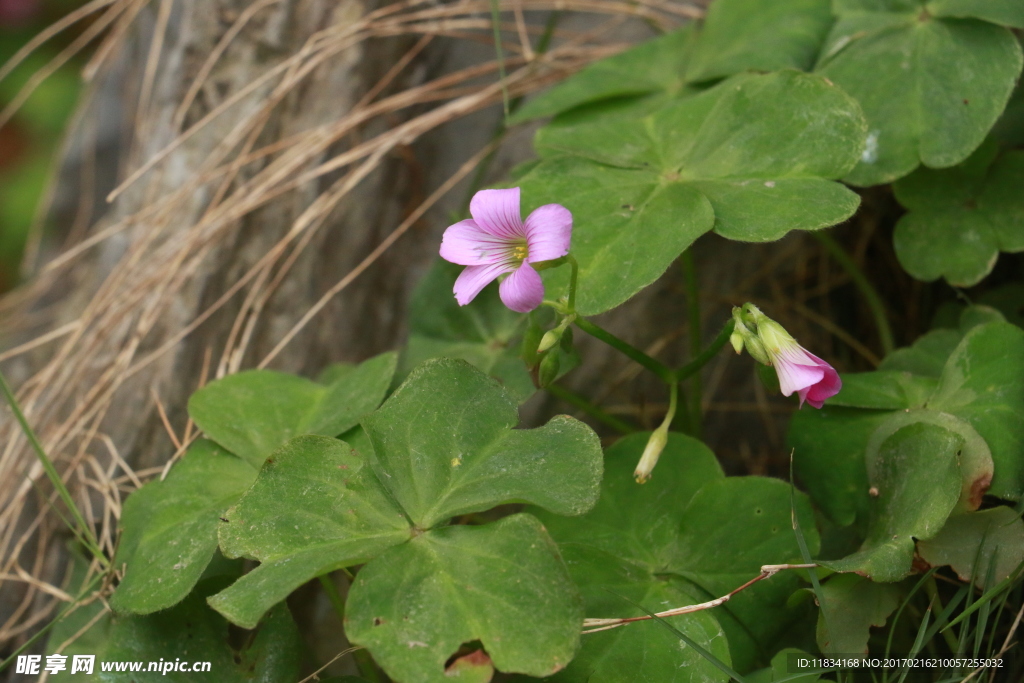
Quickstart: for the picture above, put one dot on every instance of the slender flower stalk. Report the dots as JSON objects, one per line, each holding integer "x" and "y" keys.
{"x": 799, "y": 370}
{"x": 496, "y": 241}
{"x": 658, "y": 439}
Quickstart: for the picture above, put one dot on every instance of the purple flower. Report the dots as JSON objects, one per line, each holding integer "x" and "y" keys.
{"x": 801, "y": 371}
{"x": 496, "y": 241}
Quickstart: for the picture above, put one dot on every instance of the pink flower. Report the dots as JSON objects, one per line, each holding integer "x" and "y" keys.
{"x": 496, "y": 241}
{"x": 798, "y": 369}
{"x": 801, "y": 371}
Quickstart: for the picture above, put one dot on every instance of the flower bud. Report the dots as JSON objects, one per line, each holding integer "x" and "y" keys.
{"x": 655, "y": 445}
{"x": 548, "y": 371}
{"x": 552, "y": 337}
{"x": 745, "y": 331}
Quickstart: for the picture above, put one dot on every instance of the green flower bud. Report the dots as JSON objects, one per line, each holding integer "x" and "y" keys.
{"x": 548, "y": 372}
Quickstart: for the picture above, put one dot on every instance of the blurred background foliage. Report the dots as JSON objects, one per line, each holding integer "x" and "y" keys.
{"x": 28, "y": 142}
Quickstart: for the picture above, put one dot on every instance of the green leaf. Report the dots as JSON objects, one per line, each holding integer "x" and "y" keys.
{"x": 884, "y": 390}
{"x": 730, "y": 529}
{"x": 169, "y": 528}
{"x": 641, "y": 652}
{"x": 484, "y": 333}
{"x": 1005, "y": 12}
{"x": 961, "y": 218}
{"x": 503, "y": 584}
{"x": 444, "y": 446}
{"x": 642, "y": 533}
{"x": 786, "y": 34}
{"x": 828, "y": 457}
{"x": 729, "y": 159}
{"x": 931, "y": 88}
{"x": 925, "y": 357}
{"x": 314, "y": 508}
{"x": 987, "y": 545}
{"x": 983, "y": 383}
{"x": 854, "y": 604}
{"x": 915, "y": 473}
{"x": 254, "y": 413}
{"x": 618, "y": 546}
{"x": 690, "y": 521}
{"x": 656, "y": 66}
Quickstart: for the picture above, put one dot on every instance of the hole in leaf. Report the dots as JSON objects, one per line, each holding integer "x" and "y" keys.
{"x": 470, "y": 655}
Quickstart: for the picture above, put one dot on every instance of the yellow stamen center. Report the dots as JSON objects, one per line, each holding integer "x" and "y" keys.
{"x": 520, "y": 252}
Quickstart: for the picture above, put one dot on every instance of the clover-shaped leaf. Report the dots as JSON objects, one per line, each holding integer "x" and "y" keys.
{"x": 315, "y": 507}
{"x": 915, "y": 474}
{"x": 851, "y": 606}
{"x": 710, "y": 532}
{"x": 653, "y": 67}
{"x": 986, "y": 546}
{"x": 444, "y": 446}
{"x": 932, "y": 78}
{"x": 503, "y": 584}
{"x": 959, "y": 219}
{"x": 441, "y": 446}
{"x": 641, "y": 194}
{"x": 169, "y": 527}
{"x": 253, "y": 413}
{"x": 786, "y": 34}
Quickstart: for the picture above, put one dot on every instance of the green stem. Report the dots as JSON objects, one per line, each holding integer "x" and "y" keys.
{"x": 364, "y": 662}
{"x": 707, "y": 354}
{"x": 862, "y": 283}
{"x": 658, "y": 368}
{"x": 573, "y": 277}
{"x": 84, "y": 532}
{"x": 577, "y": 401}
{"x": 693, "y": 313}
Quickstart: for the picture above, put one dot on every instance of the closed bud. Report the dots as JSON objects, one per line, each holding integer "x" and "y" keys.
{"x": 550, "y": 338}
{"x": 655, "y": 445}
{"x": 736, "y": 339}
{"x": 554, "y": 336}
{"x": 548, "y": 372}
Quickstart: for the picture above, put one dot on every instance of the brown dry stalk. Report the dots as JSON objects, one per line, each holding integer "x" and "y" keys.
{"x": 767, "y": 572}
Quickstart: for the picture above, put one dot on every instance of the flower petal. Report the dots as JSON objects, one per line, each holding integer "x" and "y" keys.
{"x": 797, "y": 370}
{"x": 523, "y": 290}
{"x": 467, "y": 245}
{"x": 828, "y": 387}
{"x": 474, "y": 278}
{"x": 497, "y": 212}
{"x": 548, "y": 232}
